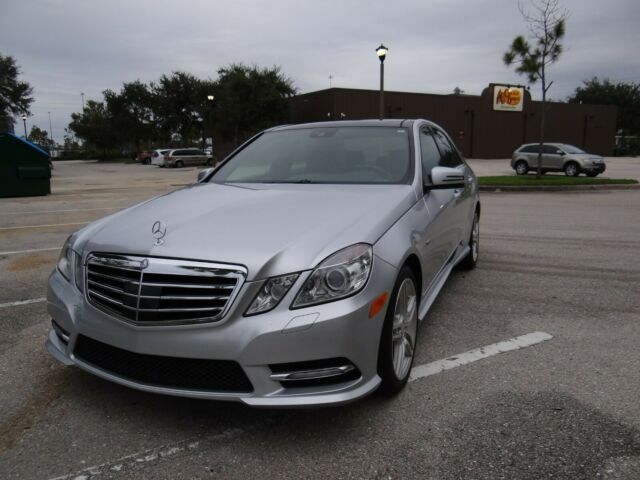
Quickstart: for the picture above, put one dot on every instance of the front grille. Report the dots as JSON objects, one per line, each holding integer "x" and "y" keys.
{"x": 171, "y": 372}
{"x": 158, "y": 291}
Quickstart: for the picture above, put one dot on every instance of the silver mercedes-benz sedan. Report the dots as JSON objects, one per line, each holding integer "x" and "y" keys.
{"x": 294, "y": 274}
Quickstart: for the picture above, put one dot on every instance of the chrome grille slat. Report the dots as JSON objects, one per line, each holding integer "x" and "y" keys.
{"x": 194, "y": 292}
{"x": 188, "y": 285}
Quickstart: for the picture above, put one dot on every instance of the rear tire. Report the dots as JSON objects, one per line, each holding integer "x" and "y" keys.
{"x": 592, "y": 174}
{"x": 521, "y": 167}
{"x": 572, "y": 169}
{"x": 469, "y": 262}
{"x": 399, "y": 334}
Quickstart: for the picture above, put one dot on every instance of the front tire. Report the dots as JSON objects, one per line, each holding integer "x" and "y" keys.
{"x": 469, "y": 262}
{"x": 399, "y": 334}
{"x": 572, "y": 169}
{"x": 179, "y": 164}
{"x": 521, "y": 167}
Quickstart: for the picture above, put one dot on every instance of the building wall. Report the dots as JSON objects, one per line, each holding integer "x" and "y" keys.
{"x": 478, "y": 131}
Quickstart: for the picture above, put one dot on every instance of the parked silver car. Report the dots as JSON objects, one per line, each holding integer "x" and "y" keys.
{"x": 182, "y": 157}
{"x": 557, "y": 157}
{"x": 294, "y": 274}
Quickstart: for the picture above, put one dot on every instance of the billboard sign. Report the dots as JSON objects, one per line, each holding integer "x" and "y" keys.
{"x": 508, "y": 99}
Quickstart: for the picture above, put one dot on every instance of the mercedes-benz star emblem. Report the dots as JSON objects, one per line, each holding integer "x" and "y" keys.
{"x": 159, "y": 230}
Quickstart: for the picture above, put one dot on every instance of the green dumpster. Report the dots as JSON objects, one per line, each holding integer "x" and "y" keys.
{"x": 24, "y": 168}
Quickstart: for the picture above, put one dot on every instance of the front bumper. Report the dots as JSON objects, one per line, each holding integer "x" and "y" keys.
{"x": 340, "y": 329}
{"x": 594, "y": 168}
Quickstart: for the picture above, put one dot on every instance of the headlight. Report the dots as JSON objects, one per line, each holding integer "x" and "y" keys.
{"x": 66, "y": 259}
{"x": 341, "y": 275}
{"x": 269, "y": 296}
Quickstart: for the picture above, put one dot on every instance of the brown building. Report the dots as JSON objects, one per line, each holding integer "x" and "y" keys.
{"x": 478, "y": 130}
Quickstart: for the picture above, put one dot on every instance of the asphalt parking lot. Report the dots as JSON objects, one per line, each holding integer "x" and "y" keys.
{"x": 560, "y": 268}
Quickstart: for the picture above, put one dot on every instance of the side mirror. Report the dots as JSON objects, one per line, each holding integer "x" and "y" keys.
{"x": 203, "y": 174}
{"x": 560, "y": 152}
{"x": 446, "y": 177}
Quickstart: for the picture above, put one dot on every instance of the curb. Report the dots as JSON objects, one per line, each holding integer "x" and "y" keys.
{"x": 556, "y": 188}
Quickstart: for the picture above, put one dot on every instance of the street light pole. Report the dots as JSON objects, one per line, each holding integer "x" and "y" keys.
{"x": 210, "y": 99}
{"x": 82, "y": 95}
{"x": 50, "y": 129}
{"x": 382, "y": 51}
{"x": 24, "y": 122}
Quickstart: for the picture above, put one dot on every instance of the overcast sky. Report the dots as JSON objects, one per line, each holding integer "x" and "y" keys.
{"x": 66, "y": 47}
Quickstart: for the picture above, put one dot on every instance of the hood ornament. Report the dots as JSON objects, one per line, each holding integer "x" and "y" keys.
{"x": 159, "y": 230}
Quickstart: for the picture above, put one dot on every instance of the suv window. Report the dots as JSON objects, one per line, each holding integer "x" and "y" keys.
{"x": 450, "y": 157}
{"x": 550, "y": 150}
{"x": 193, "y": 151}
{"x": 179, "y": 153}
{"x": 430, "y": 155}
{"x": 529, "y": 149}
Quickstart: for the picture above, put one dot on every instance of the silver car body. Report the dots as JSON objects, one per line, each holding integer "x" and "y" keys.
{"x": 556, "y": 157}
{"x": 185, "y": 157}
{"x": 254, "y": 232}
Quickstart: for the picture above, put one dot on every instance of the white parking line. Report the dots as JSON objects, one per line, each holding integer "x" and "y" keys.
{"x": 33, "y": 250}
{"x": 44, "y": 226}
{"x": 23, "y": 302}
{"x": 471, "y": 356}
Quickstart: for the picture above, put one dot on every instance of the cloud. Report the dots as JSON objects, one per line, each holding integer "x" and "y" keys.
{"x": 66, "y": 47}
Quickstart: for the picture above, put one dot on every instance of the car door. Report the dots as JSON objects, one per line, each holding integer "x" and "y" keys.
{"x": 461, "y": 207}
{"x": 551, "y": 157}
{"x": 436, "y": 238}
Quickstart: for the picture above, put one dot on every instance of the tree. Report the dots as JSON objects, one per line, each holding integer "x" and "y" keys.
{"x": 15, "y": 95}
{"x": 95, "y": 126}
{"x": 250, "y": 99}
{"x": 131, "y": 112}
{"x": 546, "y": 29}
{"x": 625, "y": 96}
{"x": 179, "y": 105}
{"x": 40, "y": 137}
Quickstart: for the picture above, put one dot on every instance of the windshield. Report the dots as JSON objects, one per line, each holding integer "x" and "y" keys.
{"x": 369, "y": 155}
{"x": 571, "y": 149}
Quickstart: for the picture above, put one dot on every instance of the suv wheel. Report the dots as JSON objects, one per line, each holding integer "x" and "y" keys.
{"x": 399, "y": 334}
{"x": 572, "y": 169}
{"x": 179, "y": 164}
{"x": 522, "y": 168}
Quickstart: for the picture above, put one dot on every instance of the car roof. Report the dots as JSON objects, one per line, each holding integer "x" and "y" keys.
{"x": 392, "y": 122}
{"x": 545, "y": 143}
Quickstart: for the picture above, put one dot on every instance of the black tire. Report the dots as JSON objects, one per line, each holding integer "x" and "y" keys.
{"x": 209, "y": 162}
{"x": 521, "y": 167}
{"x": 572, "y": 169}
{"x": 592, "y": 174}
{"x": 179, "y": 164}
{"x": 147, "y": 161}
{"x": 391, "y": 384}
{"x": 469, "y": 262}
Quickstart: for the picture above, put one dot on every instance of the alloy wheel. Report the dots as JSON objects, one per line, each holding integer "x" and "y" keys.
{"x": 405, "y": 327}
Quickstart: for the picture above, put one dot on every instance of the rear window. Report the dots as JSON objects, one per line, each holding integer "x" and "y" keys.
{"x": 368, "y": 155}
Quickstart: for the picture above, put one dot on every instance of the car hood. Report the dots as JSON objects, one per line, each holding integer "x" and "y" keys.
{"x": 271, "y": 229}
